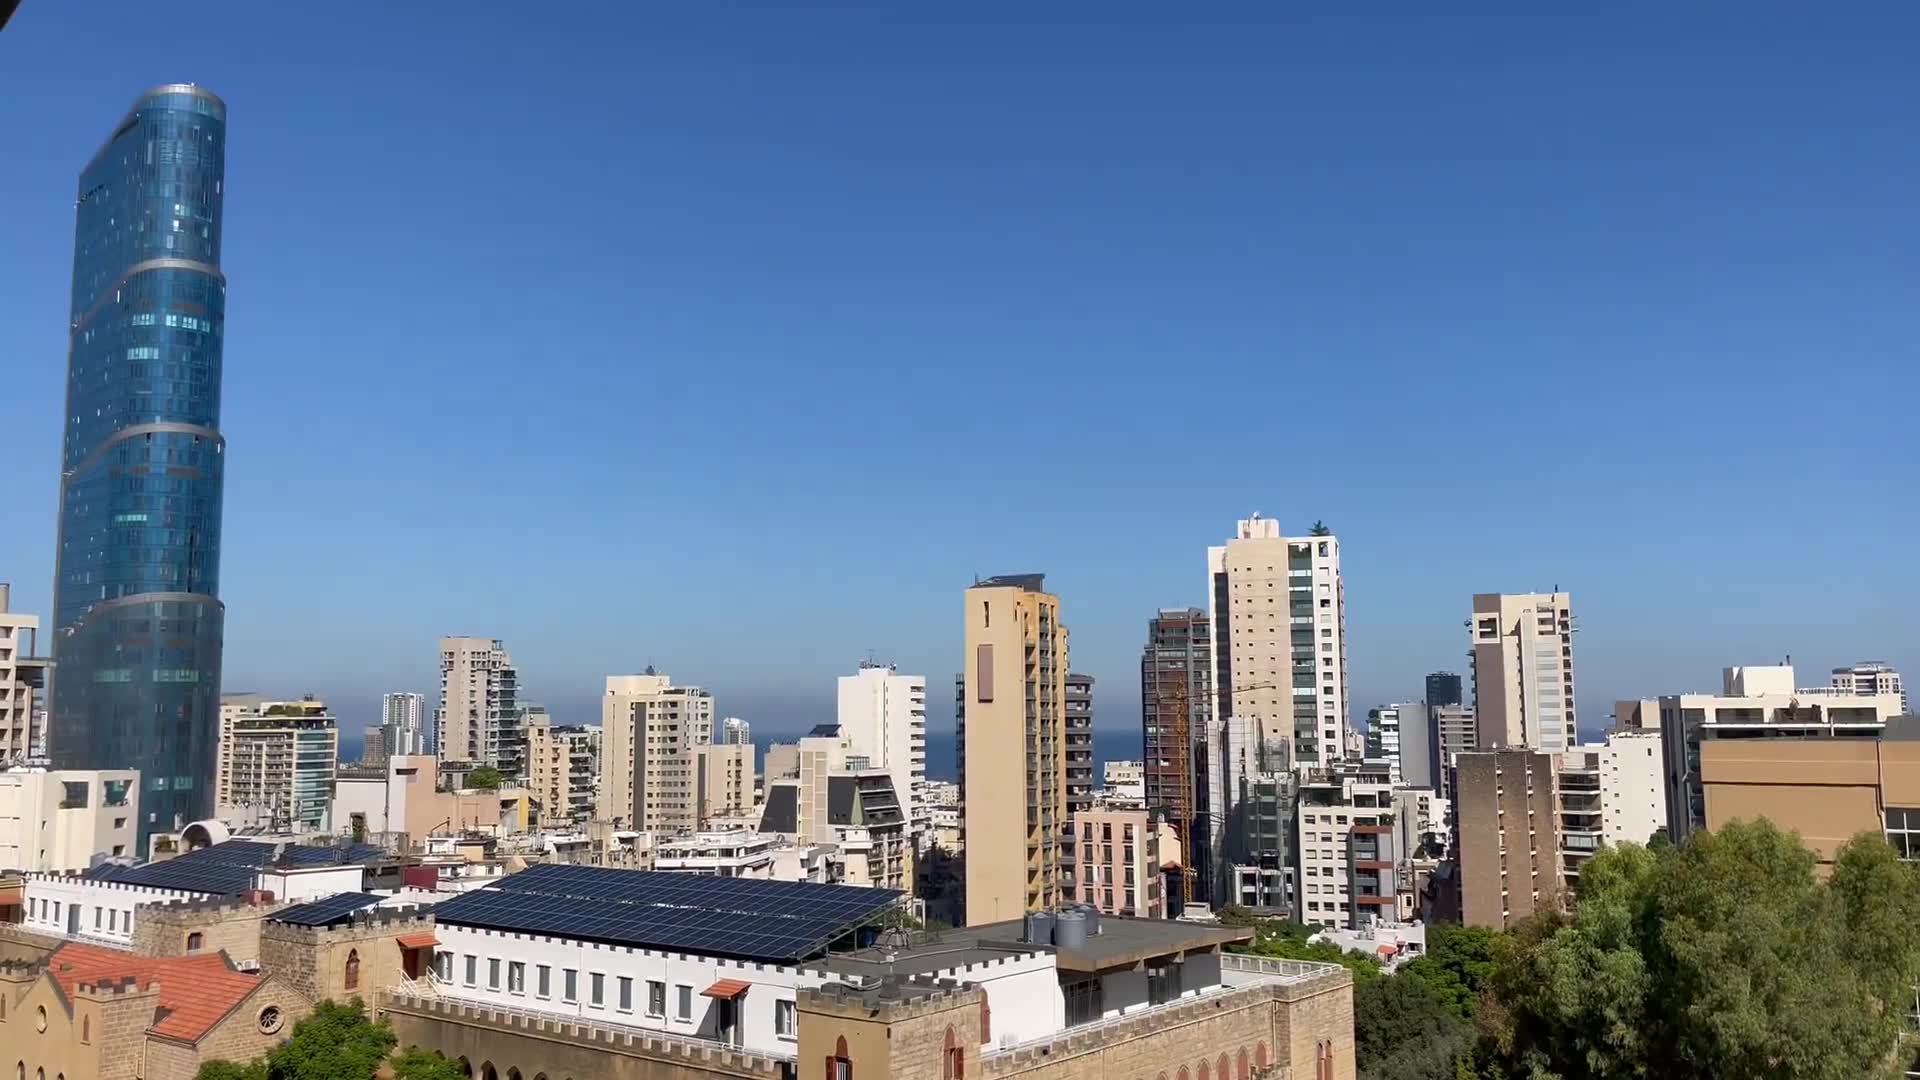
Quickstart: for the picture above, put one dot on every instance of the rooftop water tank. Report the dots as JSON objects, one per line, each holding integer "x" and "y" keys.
{"x": 1070, "y": 930}
{"x": 1093, "y": 918}
{"x": 1039, "y": 928}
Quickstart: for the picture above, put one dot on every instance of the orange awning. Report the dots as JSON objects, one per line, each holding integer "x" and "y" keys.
{"x": 726, "y": 989}
{"x": 417, "y": 941}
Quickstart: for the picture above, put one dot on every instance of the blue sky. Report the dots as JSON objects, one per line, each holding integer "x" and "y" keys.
{"x": 736, "y": 339}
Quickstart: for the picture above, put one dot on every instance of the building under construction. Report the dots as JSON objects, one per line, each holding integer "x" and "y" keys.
{"x": 1175, "y": 696}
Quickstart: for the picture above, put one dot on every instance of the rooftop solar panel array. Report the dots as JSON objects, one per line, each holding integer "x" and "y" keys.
{"x": 775, "y": 921}
{"x": 229, "y": 868}
{"x": 326, "y": 911}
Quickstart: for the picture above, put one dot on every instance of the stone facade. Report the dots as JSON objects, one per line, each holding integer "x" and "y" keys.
{"x": 496, "y": 1043}
{"x": 224, "y": 923}
{"x": 907, "y": 1030}
{"x": 315, "y": 960}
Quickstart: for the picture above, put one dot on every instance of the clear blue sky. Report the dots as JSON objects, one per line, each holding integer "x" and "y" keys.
{"x": 737, "y": 338}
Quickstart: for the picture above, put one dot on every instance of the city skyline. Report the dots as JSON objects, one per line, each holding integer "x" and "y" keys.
{"x": 781, "y": 394}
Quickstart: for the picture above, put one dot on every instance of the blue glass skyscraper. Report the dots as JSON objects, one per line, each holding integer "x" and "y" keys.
{"x": 136, "y": 680}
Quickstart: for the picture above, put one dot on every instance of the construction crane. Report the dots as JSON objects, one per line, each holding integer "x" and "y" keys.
{"x": 1178, "y": 697}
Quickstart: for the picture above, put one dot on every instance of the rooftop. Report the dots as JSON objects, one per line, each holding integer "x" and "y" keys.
{"x": 230, "y": 867}
{"x": 1120, "y": 943}
{"x": 196, "y": 992}
{"x": 1029, "y": 582}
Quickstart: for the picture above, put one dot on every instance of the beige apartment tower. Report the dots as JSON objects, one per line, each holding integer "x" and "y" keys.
{"x": 1507, "y": 816}
{"x": 479, "y": 718}
{"x": 1013, "y": 777}
{"x": 1522, "y": 650}
{"x": 649, "y": 730}
{"x": 22, "y": 674}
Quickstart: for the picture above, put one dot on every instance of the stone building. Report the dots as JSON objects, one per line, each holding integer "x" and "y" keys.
{"x": 348, "y": 955}
{"x": 91, "y": 1013}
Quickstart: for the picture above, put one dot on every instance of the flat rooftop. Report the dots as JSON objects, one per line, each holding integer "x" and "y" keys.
{"x": 1120, "y": 943}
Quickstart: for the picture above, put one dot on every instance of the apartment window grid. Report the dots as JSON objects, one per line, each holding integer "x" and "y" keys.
{"x": 1903, "y": 831}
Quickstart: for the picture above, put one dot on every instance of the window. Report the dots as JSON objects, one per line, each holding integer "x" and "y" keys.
{"x": 493, "y": 974}
{"x": 473, "y": 969}
{"x": 783, "y": 1018}
{"x": 683, "y": 1003}
{"x": 444, "y": 962}
{"x": 569, "y": 985}
{"x": 953, "y": 1058}
{"x": 543, "y": 981}
{"x": 840, "y": 1066}
{"x": 626, "y": 993}
{"x": 516, "y": 977}
{"x": 656, "y": 998}
{"x": 353, "y": 969}
{"x": 597, "y": 990}
{"x": 1903, "y": 832}
{"x": 194, "y": 941}
{"x": 96, "y": 918}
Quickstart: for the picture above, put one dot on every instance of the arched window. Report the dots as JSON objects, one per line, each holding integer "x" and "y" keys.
{"x": 1220, "y": 1068}
{"x": 513, "y": 1073}
{"x": 1260, "y": 1055}
{"x": 986, "y": 1021}
{"x": 1184, "y": 1074}
{"x": 840, "y": 1066}
{"x": 1240, "y": 1065}
{"x": 195, "y": 940}
{"x": 953, "y": 1059}
{"x": 488, "y": 1072}
{"x": 1323, "y": 1060}
{"x": 86, "y": 1029}
{"x": 1206, "y": 1071}
{"x": 353, "y": 969}
{"x": 466, "y": 1067}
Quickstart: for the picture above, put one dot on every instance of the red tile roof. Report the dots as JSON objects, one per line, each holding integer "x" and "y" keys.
{"x": 196, "y": 991}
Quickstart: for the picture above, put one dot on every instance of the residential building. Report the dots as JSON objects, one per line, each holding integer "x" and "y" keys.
{"x": 1507, "y": 836}
{"x": 1868, "y": 678}
{"x": 1265, "y": 877}
{"x": 1120, "y": 859}
{"x": 143, "y": 461}
{"x": 276, "y": 765}
{"x": 1349, "y": 861}
{"x": 562, "y": 763}
{"x": 1755, "y": 702}
{"x": 723, "y": 781}
{"x": 1079, "y": 719}
{"x": 1522, "y": 653}
{"x": 23, "y": 671}
{"x": 1277, "y": 606}
{"x": 1124, "y": 781}
{"x": 1611, "y": 792}
{"x": 739, "y": 853}
{"x": 1176, "y": 705}
{"x": 883, "y": 715}
{"x": 1451, "y": 731}
{"x": 404, "y": 804}
{"x": 1418, "y": 765}
{"x": 1828, "y": 790}
{"x": 57, "y": 821}
{"x": 403, "y": 717}
{"x": 373, "y": 748}
{"x": 1012, "y": 736}
{"x": 649, "y": 729}
{"x": 1158, "y": 994}
{"x": 479, "y": 717}
{"x": 734, "y": 731}
{"x": 1384, "y": 743}
{"x": 870, "y": 828}
{"x": 1444, "y": 688}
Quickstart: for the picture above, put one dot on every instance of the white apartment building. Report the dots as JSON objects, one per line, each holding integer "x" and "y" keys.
{"x": 1755, "y": 702}
{"x": 1277, "y": 606}
{"x": 1522, "y": 650}
{"x": 23, "y": 733}
{"x": 1346, "y": 840}
{"x": 479, "y": 717}
{"x": 1869, "y": 678}
{"x": 1384, "y": 738}
{"x": 883, "y": 717}
{"x": 563, "y": 764}
{"x": 1609, "y": 793}
{"x": 276, "y": 763}
{"x": 403, "y": 719}
{"x": 58, "y": 820}
{"x": 734, "y": 731}
{"x": 1124, "y": 781}
{"x": 723, "y": 853}
{"x": 649, "y": 729}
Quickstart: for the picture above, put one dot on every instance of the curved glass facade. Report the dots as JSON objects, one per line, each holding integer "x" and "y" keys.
{"x": 136, "y": 682}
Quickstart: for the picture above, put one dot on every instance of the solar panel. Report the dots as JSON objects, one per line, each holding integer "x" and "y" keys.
{"x": 777, "y": 921}
{"x": 229, "y": 867}
{"x": 324, "y": 912}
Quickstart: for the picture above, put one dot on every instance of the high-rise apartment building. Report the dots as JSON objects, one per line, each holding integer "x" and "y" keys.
{"x": 1349, "y": 862}
{"x": 649, "y": 729}
{"x": 1522, "y": 650}
{"x": 733, "y": 731}
{"x": 1610, "y": 793}
{"x": 1013, "y": 735}
{"x": 22, "y": 673}
{"x": 403, "y": 715}
{"x": 1079, "y": 718}
{"x": 723, "y": 781}
{"x": 1119, "y": 861}
{"x": 1176, "y": 704}
{"x": 1278, "y": 612}
{"x": 1451, "y": 731}
{"x": 1385, "y": 742}
{"x": 136, "y": 585}
{"x": 1445, "y": 688}
{"x": 562, "y": 762}
{"x": 479, "y": 717}
{"x": 1507, "y": 843}
{"x": 1868, "y": 678}
{"x": 883, "y": 716}
{"x": 276, "y": 764}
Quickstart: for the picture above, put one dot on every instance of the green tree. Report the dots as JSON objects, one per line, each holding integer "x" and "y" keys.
{"x": 218, "y": 1069}
{"x": 1457, "y": 965}
{"x": 1285, "y": 939}
{"x": 1320, "y": 529}
{"x": 1724, "y": 958}
{"x": 413, "y": 1063}
{"x": 1405, "y": 1030}
{"x": 335, "y": 1042}
{"x": 486, "y": 778}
